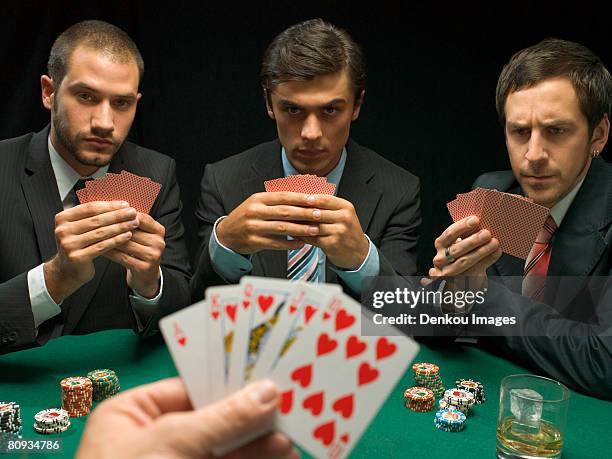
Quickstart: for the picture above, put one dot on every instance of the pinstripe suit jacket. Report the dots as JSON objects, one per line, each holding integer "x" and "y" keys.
{"x": 29, "y": 200}
{"x": 385, "y": 197}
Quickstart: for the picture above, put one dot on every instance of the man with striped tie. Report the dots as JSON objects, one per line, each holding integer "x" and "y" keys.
{"x": 313, "y": 77}
{"x": 553, "y": 101}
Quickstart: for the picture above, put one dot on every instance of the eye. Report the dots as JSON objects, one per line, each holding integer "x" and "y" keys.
{"x": 292, "y": 110}
{"x": 121, "y": 103}
{"x": 85, "y": 97}
{"x": 556, "y": 130}
{"x": 520, "y": 132}
{"x": 330, "y": 110}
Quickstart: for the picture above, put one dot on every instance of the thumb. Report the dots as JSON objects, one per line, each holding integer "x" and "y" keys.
{"x": 230, "y": 420}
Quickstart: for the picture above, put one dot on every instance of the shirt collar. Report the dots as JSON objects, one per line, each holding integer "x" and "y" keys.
{"x": 559, "y": 210}
{"x": 333, "y": 177}
{"x": 65, "y": 176}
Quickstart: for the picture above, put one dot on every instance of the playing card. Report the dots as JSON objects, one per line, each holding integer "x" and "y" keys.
{"x": 303, "y": 305}
{"x": 513, "y": 219}
{"x": 139, "y": 192}
{"x": 257, "y": 313}
{"x": 333, "y": 380}
{"x": 223, "y": 301}
{"x": 305, "y": 183}
{"x": 185, "y": 333}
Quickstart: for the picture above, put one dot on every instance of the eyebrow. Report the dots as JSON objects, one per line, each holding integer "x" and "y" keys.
{"x": 86, "y": 87}
{"x": 289, "y": 103}
{"x": 553, "y": 122}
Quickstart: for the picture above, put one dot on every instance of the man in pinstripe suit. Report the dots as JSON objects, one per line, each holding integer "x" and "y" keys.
{"x": 68, "y": 268}
{"x": 313, "y": 76}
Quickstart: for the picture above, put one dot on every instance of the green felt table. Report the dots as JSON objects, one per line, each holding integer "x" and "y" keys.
{"x": 31, "y": 378}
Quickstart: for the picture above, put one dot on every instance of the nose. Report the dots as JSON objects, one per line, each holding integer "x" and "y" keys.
{"x": 102, "y": 120}
{"x": 536, "y": 148}
{"x": 311, "y": 129}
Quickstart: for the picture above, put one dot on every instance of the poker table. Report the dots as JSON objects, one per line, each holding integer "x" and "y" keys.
{"x": 32, "y": 377}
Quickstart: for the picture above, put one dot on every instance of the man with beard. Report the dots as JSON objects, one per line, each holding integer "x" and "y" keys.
{"x": 553, "y": 101}
{"x": 313, "y": 78}
{"x": 70, "y": 268}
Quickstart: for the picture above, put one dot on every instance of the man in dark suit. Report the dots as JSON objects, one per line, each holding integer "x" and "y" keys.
{"x": 553, "y": 100}
{"x": 70, "y": 268}
{"x": 313, "y": 76}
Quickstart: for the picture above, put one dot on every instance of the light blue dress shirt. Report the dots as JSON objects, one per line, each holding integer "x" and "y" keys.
{"x": 231, "y": 266}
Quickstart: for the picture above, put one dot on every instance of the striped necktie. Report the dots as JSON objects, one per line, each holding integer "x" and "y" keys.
{"x": 536, "y": 268}
{"x": 303, "y": 264}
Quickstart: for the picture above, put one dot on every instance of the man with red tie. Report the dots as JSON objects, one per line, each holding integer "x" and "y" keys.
{"x": 553, "y": 101}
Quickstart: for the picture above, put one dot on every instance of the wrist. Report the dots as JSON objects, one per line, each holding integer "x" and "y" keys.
{"x": 57, "y": 283}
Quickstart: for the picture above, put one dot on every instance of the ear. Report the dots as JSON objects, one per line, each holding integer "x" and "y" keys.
{"x": 600, "y": 134}
{"x": 47, "y": 91}
{"x": 358, "y": 105}
{"x": 268, "y": 99}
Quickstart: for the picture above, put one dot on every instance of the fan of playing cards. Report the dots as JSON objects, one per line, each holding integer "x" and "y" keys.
{"x": 307, "y": 339}
{"x": 305, "y": 183}
{"x": 139, "y": 192}
{"x": 513, "y": 219}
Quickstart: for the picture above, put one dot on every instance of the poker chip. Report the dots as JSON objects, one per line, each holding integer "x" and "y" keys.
{"x": 474, "y": 387}
{"x": 419, "y": 399}
{"x": 52, "y": 418}
{"x": 77, "y": 393}
{"x": 105, "y": 384}
{"x": 428, "y": 375}
{"x": 50, "y": 430}
{"x": 450, "y": 420}
{"x": 460, "y": 400}
{"x": 10, "y": 417}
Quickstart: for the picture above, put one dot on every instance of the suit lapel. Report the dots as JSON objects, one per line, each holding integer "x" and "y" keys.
{"x": 41, "y": 194}
{"x": 578, "y": 243}
{"x": 354, "y": 184}
{"x": 267, "y": 166}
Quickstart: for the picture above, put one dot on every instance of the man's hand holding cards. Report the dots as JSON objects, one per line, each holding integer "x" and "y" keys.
{"x": 307, "y": 339}
{"x": 297, "y": 210}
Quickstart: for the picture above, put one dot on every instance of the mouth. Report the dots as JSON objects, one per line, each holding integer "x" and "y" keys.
{"x": 538, "y": 179}
{"x": 310, "y": 152}
{"x": 100, "y": 142}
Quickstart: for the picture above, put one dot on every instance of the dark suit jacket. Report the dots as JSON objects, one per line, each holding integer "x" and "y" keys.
{"x": 386, "y": 199}
{"x": 579, "y": 312}
{"x": 29, "y": 200}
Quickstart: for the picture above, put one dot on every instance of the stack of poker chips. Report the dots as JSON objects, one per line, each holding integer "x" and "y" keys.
{"x": 419, "y": 399}
{"x": 76, "y": 396}
{"x": 428, "y": 375}
{"x": 450, "y": 420}
{"x": 105, "y": 384}
{"x": 10, "y": 418}
{"x": 474, "y": 387}
{"x": 51, "y": 421}
{"x": 457, "y": 399}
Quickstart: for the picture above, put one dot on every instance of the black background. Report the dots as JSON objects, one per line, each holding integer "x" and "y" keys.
{"x": 429, "y": 101}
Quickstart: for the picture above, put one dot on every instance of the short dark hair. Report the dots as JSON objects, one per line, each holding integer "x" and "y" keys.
{"x": 310, "y": 49}
{"x": 97, "y": 35}
{"x": 552, "y": 58}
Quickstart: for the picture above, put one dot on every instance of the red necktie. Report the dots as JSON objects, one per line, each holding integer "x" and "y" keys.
{"x": 534, "y": 277}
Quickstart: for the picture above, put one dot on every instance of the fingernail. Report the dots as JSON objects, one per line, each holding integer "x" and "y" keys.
{"x": 125, "y": 204}
{"x": 472, "y": 221}
{"x": 263, "y": 392}
{"x": 313, "y": 230}
{"x": 483, "y": 236}
{"x": 135, "y": 222}
{"x": 316, "y": 213}
{"x": 310, "y": 199}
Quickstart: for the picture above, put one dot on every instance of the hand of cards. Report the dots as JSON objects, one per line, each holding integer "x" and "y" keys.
{"x": 513, "y": 219}
{"x": 305, "y": 183}
{"x": 139, "y": 192}
{"x": 307, "y": 339}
